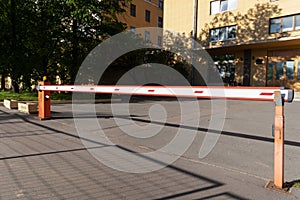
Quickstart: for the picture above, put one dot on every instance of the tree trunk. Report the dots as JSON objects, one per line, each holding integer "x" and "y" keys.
{"x": 75, "y": 52}
{"x": 2, "y": 82}
{"x": 16, "y": 88}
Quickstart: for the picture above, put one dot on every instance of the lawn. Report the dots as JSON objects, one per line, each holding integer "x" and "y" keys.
{"x": 32, "y": 96}
{"x": 296, "y": 184}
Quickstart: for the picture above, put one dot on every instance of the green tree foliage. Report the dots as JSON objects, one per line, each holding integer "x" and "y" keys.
{"x": 52, "y": 37}
{"x": 146, "y": 53}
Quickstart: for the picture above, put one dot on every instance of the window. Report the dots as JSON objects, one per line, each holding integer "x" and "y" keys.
{"x": 298, "y": 70}
{"x": 147, "y": 36}
{"x": 214, "y": 7}
{"x": 275, "y": 25}
{"x": 133, "y": 10}
{"x": 223, "y": 34}
{"x": 287, "y": 23}
{"x": 147, "y": 16}
{"x": 270, "y": 70}
{"x": 290, "y": 69}
{"x": 132, "y": 29}
{"x": 297, "y": 24}
{"x": 159, "y": 41}
{"x": 279, "y": 70}
{"x": 231, "y": 32}
{"x": 284, "y": 24}
{"x": 232, "y": 4}
{"x": 160, "y": 22}
{"x": 222, "y": 6}
{"x": 226, "y": 67}
{"x": 160, "y": 4}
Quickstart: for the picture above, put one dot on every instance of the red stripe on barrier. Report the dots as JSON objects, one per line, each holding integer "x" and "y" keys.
{"x": 151, "y": 90}
{"x": 198, "y": 92}
{"x": 266, "y": 93}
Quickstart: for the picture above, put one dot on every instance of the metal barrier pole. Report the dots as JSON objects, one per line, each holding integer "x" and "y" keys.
{"x": 44, "y": 102}
{"x": 279, "y": 140}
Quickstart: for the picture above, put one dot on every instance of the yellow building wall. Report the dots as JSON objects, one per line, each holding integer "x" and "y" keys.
{"x": 258, "y": 71}
{"x": 139, "y": 20}
{"x": 178, "y": 15}
{"x": 252, "y": 20}
{"x": 239, "y": 67}
{"x": 251, "y": 17}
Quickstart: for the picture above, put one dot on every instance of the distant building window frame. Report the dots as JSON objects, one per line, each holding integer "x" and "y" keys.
{"x": 222, "y": 34}
{"x": 297, "y": 22}
{"x": 133, "y": 10}
{"x": 160, "y": 4}
{"x": 298, "y": 74}
{"x": 159, "y": 41}
{"x": 282, "y": 68}
{"x": 290, "y": 68}
{"x": 160, "y": 22}
{"x": 147, "y": 15}
{"x": 132, "y": 29}
{"x": 218, "y": 6}
{"x": 147, "y": 36}
{"x": 284, "y": 24}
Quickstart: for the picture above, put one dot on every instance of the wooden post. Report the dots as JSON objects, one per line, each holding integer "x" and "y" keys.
{"x": 44, "y": 102}
{"x": 279, "y": 141}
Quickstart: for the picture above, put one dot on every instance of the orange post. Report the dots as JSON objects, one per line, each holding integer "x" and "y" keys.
{"x": 44, "y": 102}
{"x": 279, "y": 141}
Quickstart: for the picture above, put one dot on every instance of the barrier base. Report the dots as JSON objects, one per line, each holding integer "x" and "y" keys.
{"x": 271, "y": 186}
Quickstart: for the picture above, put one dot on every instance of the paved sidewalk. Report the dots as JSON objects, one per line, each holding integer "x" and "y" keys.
{"x": 297, "y": 96}
{"x": 46, "y": 160}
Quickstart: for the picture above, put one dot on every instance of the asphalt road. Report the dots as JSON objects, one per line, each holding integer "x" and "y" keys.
{"x": 48, "y": 159}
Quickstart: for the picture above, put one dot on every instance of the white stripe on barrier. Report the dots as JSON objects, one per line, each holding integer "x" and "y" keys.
{"x": 235, "y": 93}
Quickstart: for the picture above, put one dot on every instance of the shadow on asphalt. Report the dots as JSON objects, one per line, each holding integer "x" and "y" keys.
{"x": 137, "y": 118}
{"x": 212, "y": 183}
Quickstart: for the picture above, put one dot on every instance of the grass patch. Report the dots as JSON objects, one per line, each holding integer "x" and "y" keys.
{"x": 22, "y": 96}
{"x": 60, "y": 96}
{"x": 32, "y": 96}
{"x": 296, "y": 184}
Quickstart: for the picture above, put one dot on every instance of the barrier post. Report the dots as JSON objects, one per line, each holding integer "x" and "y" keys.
{"x": 279, "y": 140}
{"x": 44, "y": 102}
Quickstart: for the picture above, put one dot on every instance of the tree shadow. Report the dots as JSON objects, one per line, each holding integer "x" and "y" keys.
{"x": 252, "y": 26}
{"x": 292, "y": 183}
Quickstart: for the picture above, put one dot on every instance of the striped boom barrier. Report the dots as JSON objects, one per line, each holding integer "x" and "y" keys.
{"x": 234, "y": 93}
{"x": 274, "y": 94}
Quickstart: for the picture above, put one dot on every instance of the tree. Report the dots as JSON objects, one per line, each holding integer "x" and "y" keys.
{"x": 52, "y": 37}
{"x": 85, "y": 24}
{"x": 146, "y": 53}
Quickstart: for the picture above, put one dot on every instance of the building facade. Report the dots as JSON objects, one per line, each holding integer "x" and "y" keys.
{"x": 253, "y": 43}
{"x": 143, "y": 13}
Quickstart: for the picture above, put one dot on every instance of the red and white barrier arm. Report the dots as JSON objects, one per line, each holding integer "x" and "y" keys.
{"x": 234, "y": 93}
